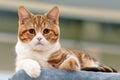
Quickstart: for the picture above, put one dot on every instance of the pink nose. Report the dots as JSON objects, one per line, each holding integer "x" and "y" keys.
{"x": 39, "y": 38}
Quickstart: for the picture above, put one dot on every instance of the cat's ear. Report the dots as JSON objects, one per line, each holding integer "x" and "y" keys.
{"x": 23, "y": 14}
{"x": 53, "y": 15}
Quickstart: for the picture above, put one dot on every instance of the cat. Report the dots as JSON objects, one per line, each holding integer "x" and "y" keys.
{"x": 38, "y": 46}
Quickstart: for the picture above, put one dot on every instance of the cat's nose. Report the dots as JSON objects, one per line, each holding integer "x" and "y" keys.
{"x": 39, "y": 38}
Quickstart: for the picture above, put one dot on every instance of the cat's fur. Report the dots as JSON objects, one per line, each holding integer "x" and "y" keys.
{"x": 38, "y": 46}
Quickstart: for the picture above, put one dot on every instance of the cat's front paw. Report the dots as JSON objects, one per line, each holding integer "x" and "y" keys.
{"x": 33, "y": 71}
{"x": 32, "y": 68}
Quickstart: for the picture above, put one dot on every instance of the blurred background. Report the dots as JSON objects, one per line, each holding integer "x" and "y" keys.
{"x": 89, "y": 25}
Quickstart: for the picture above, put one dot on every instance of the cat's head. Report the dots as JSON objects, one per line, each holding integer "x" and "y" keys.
{"x": 40, "y": 32}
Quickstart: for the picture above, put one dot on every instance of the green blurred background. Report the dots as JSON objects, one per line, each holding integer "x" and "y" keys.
{"x": 89, "y": 25}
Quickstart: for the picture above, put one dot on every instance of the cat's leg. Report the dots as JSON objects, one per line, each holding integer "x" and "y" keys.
{"x": 31, "y": 67}
{"x": 71, "y": 63}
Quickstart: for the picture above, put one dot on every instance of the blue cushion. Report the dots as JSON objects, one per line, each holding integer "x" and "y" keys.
{"x": 55, "y": 74}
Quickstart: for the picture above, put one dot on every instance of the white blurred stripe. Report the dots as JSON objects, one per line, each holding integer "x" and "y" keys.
{"x": 8, "y": 37}
{"x": 5, "y": 75}
{"x": 76, "y": 12}
{"x": 92, "y": 47}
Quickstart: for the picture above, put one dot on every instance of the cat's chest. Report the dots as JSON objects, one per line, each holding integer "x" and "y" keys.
{"x": 41, "y": 58}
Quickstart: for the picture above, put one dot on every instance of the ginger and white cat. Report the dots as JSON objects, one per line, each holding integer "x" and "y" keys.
{"x": 38, "y": 46}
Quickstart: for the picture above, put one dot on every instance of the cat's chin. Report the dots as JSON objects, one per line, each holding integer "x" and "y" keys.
{"x": 40, "y": 48}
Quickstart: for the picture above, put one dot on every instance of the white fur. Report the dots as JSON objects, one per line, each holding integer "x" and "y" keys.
{"x": 31, "y": 57}
{"x": 95, "y": 64}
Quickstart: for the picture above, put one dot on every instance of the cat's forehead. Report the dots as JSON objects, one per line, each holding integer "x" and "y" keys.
{"x": 39, "y": 21}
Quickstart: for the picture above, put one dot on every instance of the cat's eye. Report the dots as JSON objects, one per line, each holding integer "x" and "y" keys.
{"x": 31, "y": 31}
{"x": 46, "y": 31}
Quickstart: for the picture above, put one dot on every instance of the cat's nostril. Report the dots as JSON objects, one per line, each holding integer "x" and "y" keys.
{"x": 39, "y": 38}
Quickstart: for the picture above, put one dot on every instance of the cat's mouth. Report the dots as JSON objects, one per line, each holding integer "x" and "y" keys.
{"x": 39, "y": 43}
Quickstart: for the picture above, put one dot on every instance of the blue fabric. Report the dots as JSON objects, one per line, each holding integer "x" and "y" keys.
{"x": 55, "y": 74}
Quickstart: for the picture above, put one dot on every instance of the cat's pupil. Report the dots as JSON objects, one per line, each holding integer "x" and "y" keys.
{"x": 46, "y": 31}
{"x": 32, "y": 31}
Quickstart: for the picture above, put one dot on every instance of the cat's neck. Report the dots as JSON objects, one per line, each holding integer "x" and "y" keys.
{"x": 53, "y": 49}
